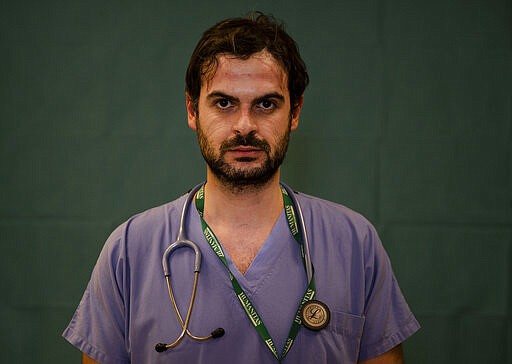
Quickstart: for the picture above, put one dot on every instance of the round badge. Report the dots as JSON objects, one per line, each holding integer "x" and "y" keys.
{"x": 315, "y": 315}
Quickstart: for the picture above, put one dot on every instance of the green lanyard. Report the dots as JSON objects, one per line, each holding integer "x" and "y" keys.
{"x": 248, "y": 307}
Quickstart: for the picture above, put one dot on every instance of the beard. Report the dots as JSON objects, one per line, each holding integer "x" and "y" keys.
{"x": 239, "y": 178}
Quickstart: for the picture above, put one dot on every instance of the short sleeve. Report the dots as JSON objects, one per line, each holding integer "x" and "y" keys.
{"x": 388, "y": 319}
{"x": 98, "y": 327}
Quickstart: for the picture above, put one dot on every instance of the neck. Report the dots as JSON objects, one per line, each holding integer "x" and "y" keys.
{"x": 250, "y": 204}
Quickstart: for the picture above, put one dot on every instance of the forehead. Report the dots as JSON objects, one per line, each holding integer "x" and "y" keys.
{"x": 259, "y": 70}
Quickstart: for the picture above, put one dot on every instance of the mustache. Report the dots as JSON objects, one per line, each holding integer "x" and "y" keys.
{"x": 249, "y": 140}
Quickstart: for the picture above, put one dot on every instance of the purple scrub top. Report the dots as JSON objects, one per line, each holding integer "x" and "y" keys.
{"x": 126, "y": 309}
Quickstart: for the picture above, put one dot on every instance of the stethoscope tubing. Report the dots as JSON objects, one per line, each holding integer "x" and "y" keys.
{"x": 183, "y": 241}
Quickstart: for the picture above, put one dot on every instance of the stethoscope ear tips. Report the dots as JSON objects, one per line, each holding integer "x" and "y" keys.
{"x": 219, "y": 332}
{"x": 160, "y": 347}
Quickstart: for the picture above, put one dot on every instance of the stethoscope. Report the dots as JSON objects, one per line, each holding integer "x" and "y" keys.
{"x": 183, "y": 241}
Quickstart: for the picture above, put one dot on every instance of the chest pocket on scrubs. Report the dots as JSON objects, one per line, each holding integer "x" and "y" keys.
{"x": 338, "y": 342}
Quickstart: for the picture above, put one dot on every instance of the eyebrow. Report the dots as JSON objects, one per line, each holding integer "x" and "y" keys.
{"x": 219, "y": 94}
{"x": 272, "y": 95}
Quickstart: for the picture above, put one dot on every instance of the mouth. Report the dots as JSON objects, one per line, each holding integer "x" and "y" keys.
{"x": 245, "y": 151}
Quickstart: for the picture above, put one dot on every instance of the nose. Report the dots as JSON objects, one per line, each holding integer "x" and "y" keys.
{"x": 244, "y": 123}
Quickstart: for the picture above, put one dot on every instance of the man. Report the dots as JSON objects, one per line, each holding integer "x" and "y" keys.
{"x": 244, "y": 94}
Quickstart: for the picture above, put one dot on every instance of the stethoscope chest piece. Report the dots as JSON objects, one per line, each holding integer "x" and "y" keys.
{"x": 315, "y": 315}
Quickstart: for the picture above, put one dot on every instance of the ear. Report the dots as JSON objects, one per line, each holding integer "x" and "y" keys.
{"x": 191, "y": 112}
{"x": 296, "y": 113}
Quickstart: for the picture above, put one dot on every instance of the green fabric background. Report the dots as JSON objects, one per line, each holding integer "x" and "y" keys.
{"x": 408, "y": 119}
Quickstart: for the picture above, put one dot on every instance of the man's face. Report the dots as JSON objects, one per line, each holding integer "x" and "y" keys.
{"x": 243, "y": 120}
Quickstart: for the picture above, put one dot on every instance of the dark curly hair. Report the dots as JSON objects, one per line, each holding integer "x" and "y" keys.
{"x": 241, "y": 38}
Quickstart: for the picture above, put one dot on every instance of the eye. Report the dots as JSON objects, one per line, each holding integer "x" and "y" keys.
{"x": 266, "y": 104}
{"x": 223, "y": 103}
